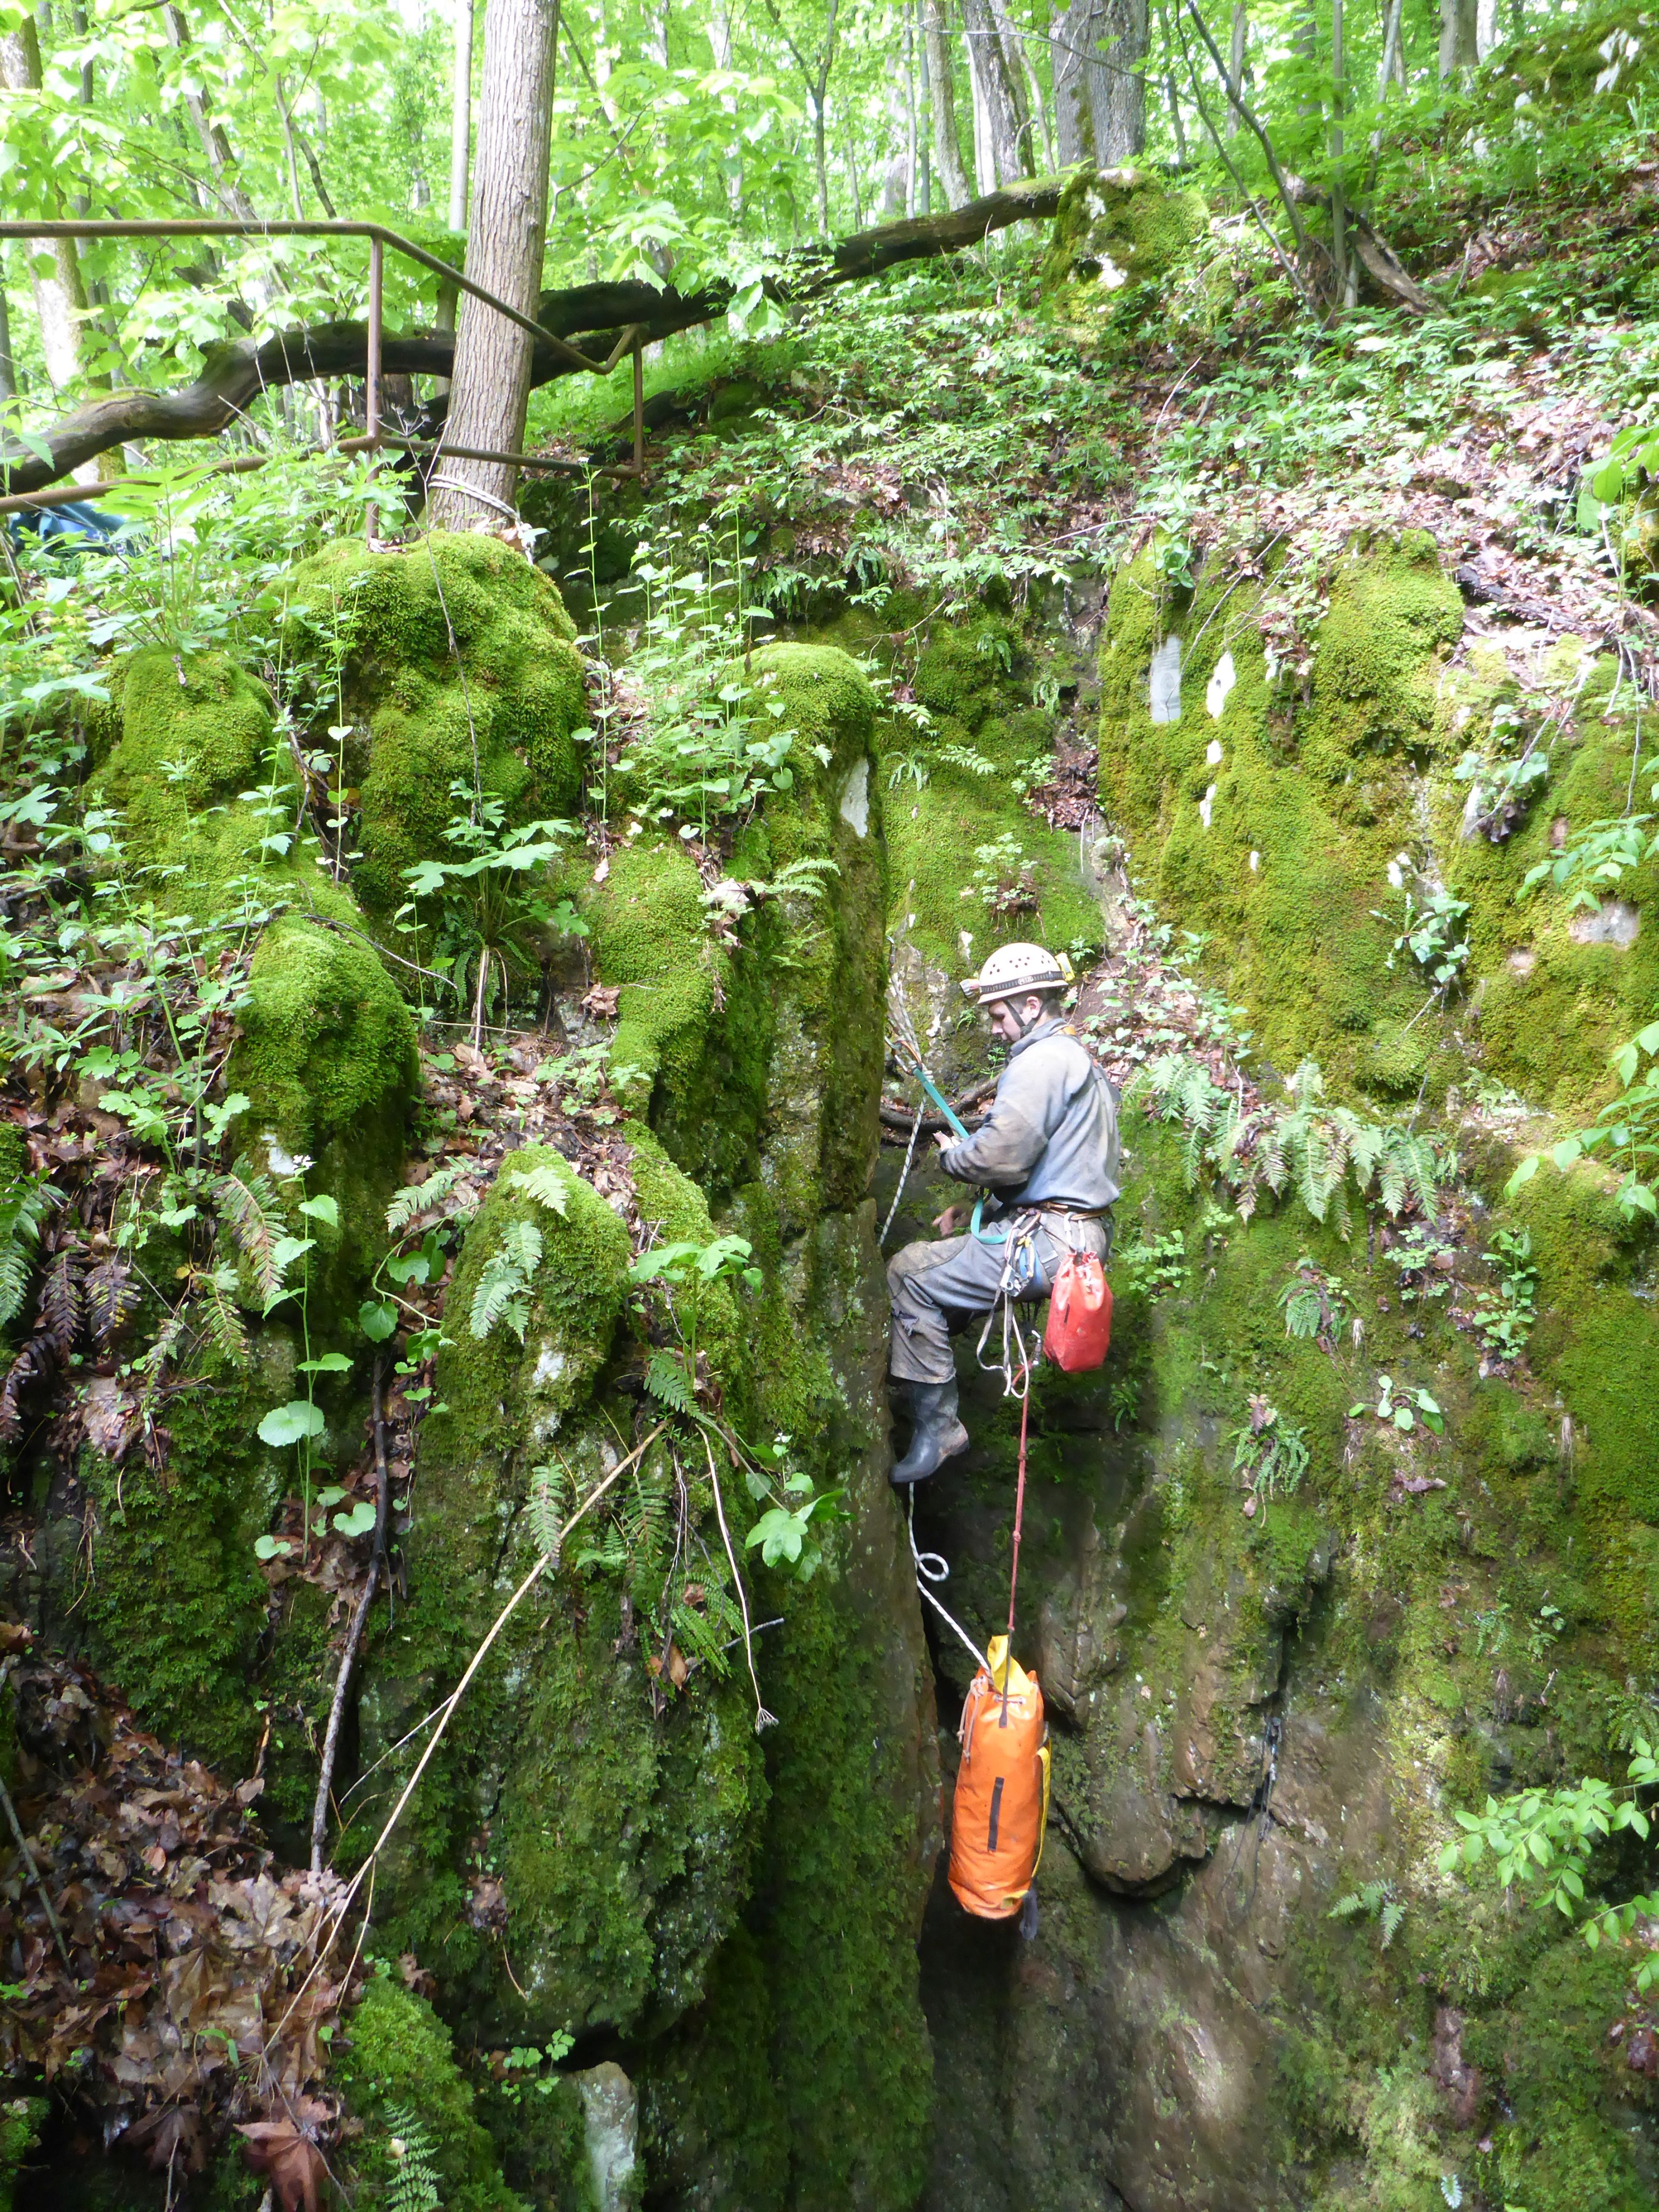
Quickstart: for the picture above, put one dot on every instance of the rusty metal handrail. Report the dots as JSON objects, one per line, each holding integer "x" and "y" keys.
{"x": 380, "y": 238}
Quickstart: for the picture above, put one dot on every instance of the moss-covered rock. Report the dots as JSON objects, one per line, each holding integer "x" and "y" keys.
{"x": 20, "y": 2121}
{"x": 453, "y": 662}
{"x": 1263, "y": 811}
{"x": 1119, "y": 236}
{"x": 397, "y": 2073}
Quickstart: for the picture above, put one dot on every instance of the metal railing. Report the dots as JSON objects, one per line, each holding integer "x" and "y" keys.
{"x": 375, "y": 438}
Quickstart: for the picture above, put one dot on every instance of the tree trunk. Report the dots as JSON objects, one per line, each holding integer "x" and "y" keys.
{"x": 60, "y": 298}
{"x": 821, "y": 156}
{"x": 1459, "y": 48}
{"x": 491, "y": 377}
{"x": 1074, "y": 39}
{"x": 925, "y": 152}
{"x": 1039, "y": 146}
{"x": 911, "y": 202}
{"x": 213, "y": 142}
{"x": 1119, "y": 87}
{"x": 947, "y": 147}
{"x": 1236, "y": 63}
{"x": 7, "y": 366}
{"x": 1000, "y": 91}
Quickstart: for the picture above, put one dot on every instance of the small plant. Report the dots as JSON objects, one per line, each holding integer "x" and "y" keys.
{"x": 414, "y": 2182}
{"x": 967, "y": 758}
{"x": 1155, "y": 1266}
{"x": 1124, "y": 1401}
{"x": 1424, "y": 1264}
{"x": 1627, "y": 1129}
{"x": 1313, "y": 1304}
{"x": 1503, "y": 1316}
{"x": 502, "y": 1293}
{"x": 1374, "y": 1900}
{"x": 1401, "y": 1407}
{"x": 1004, "y": 879}
{"x": 1270, "y": 1456}
{"x": 1545, "y": 1838}
{"x": 1428, "y": 927}
{"x": 489, "y": 913}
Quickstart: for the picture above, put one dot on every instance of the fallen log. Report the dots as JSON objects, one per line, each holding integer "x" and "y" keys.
{"x": 593, "y": 315}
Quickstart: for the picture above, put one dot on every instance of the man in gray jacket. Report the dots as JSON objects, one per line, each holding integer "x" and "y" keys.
{"x": 1047, "y": 1153}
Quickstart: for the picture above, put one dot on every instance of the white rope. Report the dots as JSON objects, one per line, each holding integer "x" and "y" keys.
{"x": 471, "y": 491}
{"x": 934, "y": 1567}
{"x": 904, "y": 1172}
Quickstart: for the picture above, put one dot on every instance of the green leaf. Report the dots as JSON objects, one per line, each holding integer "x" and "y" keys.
{"x": 322, "y": 1209}
{"x": 288, "y": 1425}
{"x": 358, "y": 1521}
{"x": 326, "y": 1363}
{"x": 376, "y": 1320}
{"x": 331, "y": 1495}
{"x": 271, "y": 1547}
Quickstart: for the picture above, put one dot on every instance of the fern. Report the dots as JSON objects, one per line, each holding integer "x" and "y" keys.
{"x": 504, "y": 1280}
{"x": 24, "y": 1207}
{"x": 548, "y": 1185}
{"x": 224, "y": 1324}
{"x": 418, "y": 1198}
{"x": 112, "y": 1297}
{"x": 413, "y": 2184}
{"x": 249, "y": 1205}
{"x": 62, "y": 1301}
{"x": 1375, "y": 1899}
{"x": 666, "y": 1380}
{"x": 549, "y": 1500}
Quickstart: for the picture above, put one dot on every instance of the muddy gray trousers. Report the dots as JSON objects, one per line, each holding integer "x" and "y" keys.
{"x": 938, "y": 1286}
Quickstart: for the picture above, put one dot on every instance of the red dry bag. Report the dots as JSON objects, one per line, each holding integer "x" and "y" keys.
{"x": 1079, "y": 1315}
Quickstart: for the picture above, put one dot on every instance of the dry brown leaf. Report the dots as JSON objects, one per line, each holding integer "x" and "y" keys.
{"x": 294, "y": 2165}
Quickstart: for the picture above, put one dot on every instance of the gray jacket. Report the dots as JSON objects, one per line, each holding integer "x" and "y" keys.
{"x": 1051, "y": 1133}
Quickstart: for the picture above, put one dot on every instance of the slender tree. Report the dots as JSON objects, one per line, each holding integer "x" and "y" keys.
{"x": 1074, "y": 37}
{"x": 491, "y": 389}
{"x": 1240, "y": 46}
{"x": 1120, "y": 117}
{"x": 60, "y": 297}
{"x": 941, "y": 75}
{"x": 1000, "y": 94}
{"x": 815, "y": 74}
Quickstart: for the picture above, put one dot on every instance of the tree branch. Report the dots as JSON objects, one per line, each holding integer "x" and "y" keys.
{"x": 234, "y": 376}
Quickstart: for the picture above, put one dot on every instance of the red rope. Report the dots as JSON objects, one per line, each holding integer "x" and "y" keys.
{"x": 1014, "y": 1576}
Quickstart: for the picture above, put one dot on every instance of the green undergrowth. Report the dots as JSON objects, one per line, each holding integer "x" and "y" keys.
{"x": 454, "y": 662}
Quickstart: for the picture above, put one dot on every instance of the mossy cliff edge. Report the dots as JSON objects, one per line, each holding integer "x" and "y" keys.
{"x": 1251, "y": 1985}
{"x": 731, "y": 1915}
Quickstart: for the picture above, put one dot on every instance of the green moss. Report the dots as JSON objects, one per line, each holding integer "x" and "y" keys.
{"x": 1308, "y": 801}
{"x": 176, "y": 1604}
{"x": 1118, "y": 236}
{"x": 20, "y": 2121}
{"x": 1551, "y": 1005}
{"x": 971, "y": 678}
{"x": 326, "y": 1060}
{"x": 196, "y": 734}
{"x": 459, "y": 658}
{"x": 398, "y": 2062}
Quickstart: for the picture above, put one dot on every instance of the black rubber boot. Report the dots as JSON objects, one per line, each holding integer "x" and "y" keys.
{"x": 937, "y": 1436}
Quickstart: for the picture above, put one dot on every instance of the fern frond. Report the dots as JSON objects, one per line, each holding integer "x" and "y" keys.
{"x": 504, "y": 1280}
{"x": 63, "y": 1300}
{"x": 666, "y": 1380}
{"x": 24, "y": 1207}
{"x": 1392, "y": 1913}
{"x": 412, "y": 2186}
{"x": 549, "y": 1496}
{"x": 249, "y": 1205}
{"x": 112, "y": 1298}
{"x": 417, "y": 1198}
{"x": 548, "y": 1185}
{"x": 224, "y": 1324}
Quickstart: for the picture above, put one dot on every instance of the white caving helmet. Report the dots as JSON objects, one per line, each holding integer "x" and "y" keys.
{"x": 1014, "y": 969}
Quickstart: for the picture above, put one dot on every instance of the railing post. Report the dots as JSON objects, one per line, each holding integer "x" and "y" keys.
{"x": 639, "y": 404}
{"x": 372, "y": 399}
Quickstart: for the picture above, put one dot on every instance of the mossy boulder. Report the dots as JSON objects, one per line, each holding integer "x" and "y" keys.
{"x": 398, "y": 2073}
{"x": 1264, "y": 806}
{"x": 1120, "y": 236}
{"x": 452, "y": 662}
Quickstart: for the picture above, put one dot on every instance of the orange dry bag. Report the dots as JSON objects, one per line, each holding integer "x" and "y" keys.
{"x": 1002, "y": 1789}
{"x": 1079, "y": 1315}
